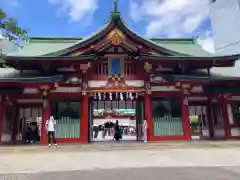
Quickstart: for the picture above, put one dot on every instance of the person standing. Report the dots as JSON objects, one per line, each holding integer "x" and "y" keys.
{"x": 50, "y": 126}
{"x": 118, "y": 134}
{"x": 144, "y": 129}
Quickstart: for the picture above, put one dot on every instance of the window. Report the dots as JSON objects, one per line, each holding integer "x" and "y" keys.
{"x": 115, "y": 66}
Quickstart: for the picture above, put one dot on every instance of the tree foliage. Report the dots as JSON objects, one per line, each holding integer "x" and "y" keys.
{"x": 10, "y": 30}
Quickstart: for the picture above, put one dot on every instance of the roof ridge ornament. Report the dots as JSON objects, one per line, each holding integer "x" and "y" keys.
{"x": 115, "y": 6}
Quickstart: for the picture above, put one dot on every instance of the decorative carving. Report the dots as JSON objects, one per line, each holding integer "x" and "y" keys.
{"x": 116, "y": 81}
{"x": 224, "y": 95}
{"x": 148, "y": 88}
{"x": 147, "y": 67}
{"x": 186, "y": 86}
{"x": 44, "y": 89}
{"x": 116, "y": 37}
{"x": 85, "y": 67}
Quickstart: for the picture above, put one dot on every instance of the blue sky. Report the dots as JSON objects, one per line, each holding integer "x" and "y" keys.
{"x": 151, "y": 18}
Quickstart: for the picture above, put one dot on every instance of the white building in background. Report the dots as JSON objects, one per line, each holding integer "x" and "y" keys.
{"x": 225, "y": 19}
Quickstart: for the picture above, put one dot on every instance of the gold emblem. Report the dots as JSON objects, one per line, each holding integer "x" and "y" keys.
{"x": 116, "y": 37}
{"x": 77, "y": 53}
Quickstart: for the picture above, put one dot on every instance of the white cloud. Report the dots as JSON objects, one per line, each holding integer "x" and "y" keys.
{"x": 15, "y": 3}
{"x": 77, "y": 10}
{"x": 171, "y": 18}
{"x": 206, "y": 41}
{"x": 10, "y": 3}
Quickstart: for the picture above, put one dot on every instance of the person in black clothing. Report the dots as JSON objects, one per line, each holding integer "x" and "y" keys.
{"x": 118, "y": 134}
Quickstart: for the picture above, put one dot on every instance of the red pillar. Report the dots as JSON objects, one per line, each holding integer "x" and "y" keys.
{"x": 1, "y": 121}
{"x": 210, "y": 121}
{"x": 225, "y": 118}
{"x": 84, "y": 119}
{"x": 46, "y": 113}
{"x": 148, "y": 115}
{"x": 185, "y": 118}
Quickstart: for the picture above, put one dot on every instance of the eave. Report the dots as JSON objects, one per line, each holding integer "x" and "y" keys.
{"x": 33, "y": 63}
{"x": 215, "y": 61}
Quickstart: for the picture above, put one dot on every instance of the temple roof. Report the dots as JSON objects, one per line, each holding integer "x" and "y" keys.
{"x": 40, "y": 46}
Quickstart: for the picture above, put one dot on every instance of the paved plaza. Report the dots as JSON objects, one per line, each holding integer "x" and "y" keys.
{"x": 152, "y": 163}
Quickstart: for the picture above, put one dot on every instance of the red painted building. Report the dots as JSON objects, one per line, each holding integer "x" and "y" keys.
{"x": 167, "y": 82}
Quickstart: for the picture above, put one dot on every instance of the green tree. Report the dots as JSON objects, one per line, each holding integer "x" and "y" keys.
{"x": 10, "y": 30}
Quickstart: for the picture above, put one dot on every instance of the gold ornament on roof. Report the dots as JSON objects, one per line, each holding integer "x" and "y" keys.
{"x": 77, "y": 53}
{"x": 116, "y": 37}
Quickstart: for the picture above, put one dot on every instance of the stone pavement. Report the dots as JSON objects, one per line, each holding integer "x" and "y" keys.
{"x": 180, "y": 161}
{"x": 68, "y": 161}
{"x": 174, "y": 173}
{"x": 122, "y": 145}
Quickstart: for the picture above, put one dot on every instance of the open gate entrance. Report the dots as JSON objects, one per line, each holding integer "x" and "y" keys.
{"x": 106, "y": 108}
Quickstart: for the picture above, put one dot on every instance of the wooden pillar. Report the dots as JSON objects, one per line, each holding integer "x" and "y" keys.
{"x": 148, "y": 115}
{"x": 46, "y": 113}
{"x": 225, "y": 118}
{"x": 210, "y": 121}
{"x": 84, "y": 118}
{"x": 1, "y": 122}
{"x": 185, "y": 118}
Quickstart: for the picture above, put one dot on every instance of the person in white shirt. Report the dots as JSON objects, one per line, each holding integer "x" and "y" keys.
{"x": 50, "y": 126}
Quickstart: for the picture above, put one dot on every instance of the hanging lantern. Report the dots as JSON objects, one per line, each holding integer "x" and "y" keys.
{"x": 110, "y": 96}
{"x": 136, "y": 96}
{"x": 130, "y": 96}
{"x": 95, "y": 95}
{"x": 99, "y": 96}
{"x": 104, "y": 96}
{"x": 116, "y": 95}
{"x": 121, "y": 96}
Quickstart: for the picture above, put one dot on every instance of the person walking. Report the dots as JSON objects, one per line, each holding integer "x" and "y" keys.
{"x": 50, "y": 126}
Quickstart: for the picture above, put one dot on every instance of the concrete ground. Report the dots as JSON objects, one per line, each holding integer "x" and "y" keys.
{"x": 175, "y": 161}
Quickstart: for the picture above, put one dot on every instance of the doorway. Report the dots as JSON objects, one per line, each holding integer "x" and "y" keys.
{"x": 108, "y": 107}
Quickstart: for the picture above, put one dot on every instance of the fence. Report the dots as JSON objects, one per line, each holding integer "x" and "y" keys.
{"x": 167, "y": 126}
{"x": 67, "y": 128}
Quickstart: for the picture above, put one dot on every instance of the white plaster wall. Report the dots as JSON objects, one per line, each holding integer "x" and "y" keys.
{"x": 30, "y": 91}
{"x": 225, "y": 20}
{"x": 205, "y": 132}
{"x": 68, "y": 89}
{"x": 230, "y": 114}
{"x": 95, "y": 83}
{"x": 6, "y": 137}
{"x": 137, "y": 83}
{"x": 219, "y": 132}
{"x": 197, "y": 89}
{"x": 235, "y": 131}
